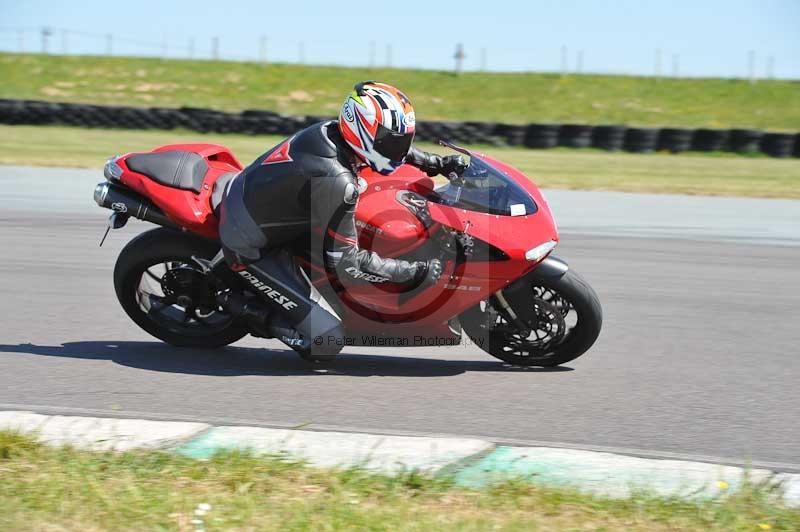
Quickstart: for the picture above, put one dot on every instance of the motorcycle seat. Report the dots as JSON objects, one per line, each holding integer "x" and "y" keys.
{"x": 177, "y": 169}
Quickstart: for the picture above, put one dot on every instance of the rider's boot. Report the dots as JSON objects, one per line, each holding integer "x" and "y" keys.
{"x": 283, "y": 310}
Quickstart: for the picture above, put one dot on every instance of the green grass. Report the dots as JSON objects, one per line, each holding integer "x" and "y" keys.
{"x": 716, "y": 174}
{"x": 297, "y": 89}
{"x": 43, "y": 488}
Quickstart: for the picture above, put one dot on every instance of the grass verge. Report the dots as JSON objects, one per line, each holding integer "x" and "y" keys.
{"x": 716, "y": 174}
{"x": 319, "y": 90}
{"x": 44, "y": 488}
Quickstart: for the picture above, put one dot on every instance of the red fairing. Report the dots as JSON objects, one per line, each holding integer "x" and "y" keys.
{"x": 187, "y": 209}
{"x": 384, "y": 225}
{"x": 387, "y": 226}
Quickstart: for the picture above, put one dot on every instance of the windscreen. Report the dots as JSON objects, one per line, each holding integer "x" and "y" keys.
{"x": 484, "y": 188}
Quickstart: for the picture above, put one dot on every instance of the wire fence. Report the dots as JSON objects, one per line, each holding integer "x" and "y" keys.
{"x": 563, "y": 59}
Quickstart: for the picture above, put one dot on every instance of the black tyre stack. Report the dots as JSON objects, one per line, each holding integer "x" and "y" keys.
{"x": 641, "y": 140}
{"x": 513, "y": 135}
{"x": 541, "y": 136}
{"x": 778, "y": 144}
{"x": 745, "y": 140}
{"x": 575, "y": 136}
{"x": 611, "y": 138}
{"x": 675, "y": 140}
{"x": 710, "y": 140}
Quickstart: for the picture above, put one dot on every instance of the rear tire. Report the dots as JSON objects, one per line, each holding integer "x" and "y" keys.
{"x": 499, "y": 340}
{"x": 159, "y": 246}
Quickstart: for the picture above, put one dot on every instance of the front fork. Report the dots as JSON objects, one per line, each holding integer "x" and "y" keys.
{"x": 515, "y": 299}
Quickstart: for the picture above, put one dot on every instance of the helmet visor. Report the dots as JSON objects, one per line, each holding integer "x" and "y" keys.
{"x": 392, "y": 145}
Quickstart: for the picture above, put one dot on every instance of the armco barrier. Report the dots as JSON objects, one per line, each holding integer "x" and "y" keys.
{"x": 541, "y": 136}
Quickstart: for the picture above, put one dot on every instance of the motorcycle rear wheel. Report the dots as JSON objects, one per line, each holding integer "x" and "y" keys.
{"x": 166, "y": 293}
{"x": 569, "y": 321}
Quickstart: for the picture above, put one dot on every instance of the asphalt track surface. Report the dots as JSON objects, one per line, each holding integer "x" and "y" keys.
{"x": 698, "y": 357}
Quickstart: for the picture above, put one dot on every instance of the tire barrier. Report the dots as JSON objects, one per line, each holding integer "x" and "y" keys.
{"x": 778, "y": 144}
{"x": 641, "y": 140}
{"x": 540, "y": 136}
{"x": 710, "y": 139}
{"x": 675, "y": 140}
{"x": 575, "y": 136}
{"x": 611, "y": 138}
{"x": 745, "y": 140}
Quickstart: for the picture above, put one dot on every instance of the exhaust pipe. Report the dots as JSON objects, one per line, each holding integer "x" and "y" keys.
{"x": 128, "y": 203}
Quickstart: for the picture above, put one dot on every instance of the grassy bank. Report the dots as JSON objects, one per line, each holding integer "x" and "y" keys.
{"x": 298, "y": 89}
{"x": 42, "y": 488}
{"x": 717, "y": 174}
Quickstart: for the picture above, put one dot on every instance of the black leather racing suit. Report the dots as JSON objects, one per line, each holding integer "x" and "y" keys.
{"x": 304, "y": 192}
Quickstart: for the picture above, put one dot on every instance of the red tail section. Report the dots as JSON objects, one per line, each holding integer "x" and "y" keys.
{"x": 186, "y": 208}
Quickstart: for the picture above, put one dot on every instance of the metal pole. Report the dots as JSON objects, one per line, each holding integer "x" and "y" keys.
{"x": 46, "y": 32}
{"x": 579, "y": 62}
{"x": 388, "y": 55}
{"x": 215, "y": 48}
{"x": 657, "y": 66}
{"x": 751, "y": 66}
{"x": 109, "y": 43}
{"x": 64, "y": 47}
{"x": 771, "y": 67}
{"x": 371, "y": 54}
{"x": 191, "y": 48}
{"x": 164, "y": 46}
{"x": 676, "y": 65}
{"x": 459, "y": 57}
{"x": 301, "y": 53}
{"x": 262, "y": 50}
{"x": 564, "y": 52}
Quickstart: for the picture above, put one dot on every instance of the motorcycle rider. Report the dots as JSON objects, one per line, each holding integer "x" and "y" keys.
{"x": 304, "y": 191}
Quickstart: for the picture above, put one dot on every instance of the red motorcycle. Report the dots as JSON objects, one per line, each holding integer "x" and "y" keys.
{"x": 491, "y": 226}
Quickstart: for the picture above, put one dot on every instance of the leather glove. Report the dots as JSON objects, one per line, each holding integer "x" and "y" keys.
{"x": 453, "y": 164}
{"x": 428, "y": 272}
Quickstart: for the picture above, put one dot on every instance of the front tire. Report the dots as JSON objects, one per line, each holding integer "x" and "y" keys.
{"x": 568, "y": 321}
{"x": 166, "y": 293}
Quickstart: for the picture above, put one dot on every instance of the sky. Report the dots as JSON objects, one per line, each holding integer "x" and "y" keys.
{"x": 692, "y": 38}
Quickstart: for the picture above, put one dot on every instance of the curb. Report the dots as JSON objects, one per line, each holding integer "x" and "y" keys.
{"x": 473, "y": 462}
{"x": 387, "y": 454}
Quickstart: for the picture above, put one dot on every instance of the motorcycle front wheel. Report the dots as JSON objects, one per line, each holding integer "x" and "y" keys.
{"x": 166, "y": 293}
{"x": 566, "y": 321}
